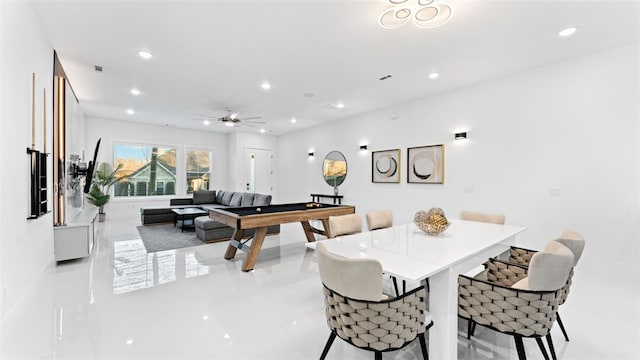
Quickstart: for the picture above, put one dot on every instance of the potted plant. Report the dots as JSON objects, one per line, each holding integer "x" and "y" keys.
{"x": 103, "y": 179}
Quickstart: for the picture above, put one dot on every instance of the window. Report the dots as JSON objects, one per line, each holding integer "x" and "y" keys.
{"x": 198, "y": 170}
{"x": 148, "y": 170}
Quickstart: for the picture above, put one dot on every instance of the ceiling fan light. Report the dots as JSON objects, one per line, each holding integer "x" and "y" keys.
{"x": 228, "y": 123}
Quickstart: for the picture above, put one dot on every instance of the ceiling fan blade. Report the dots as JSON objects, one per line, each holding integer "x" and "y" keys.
{"x": 251, "y": 118}
{"x": 233, "y": 116}
{"x": 254, "y": 122}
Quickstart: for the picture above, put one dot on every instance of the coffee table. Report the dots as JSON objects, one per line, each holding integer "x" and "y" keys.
{"x": 186, "y": 216}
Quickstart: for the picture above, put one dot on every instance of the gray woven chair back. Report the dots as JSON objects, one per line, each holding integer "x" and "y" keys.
{"x": 377, "y": 325}
{"x": 507, "y": 274}
{"x": 510, "y": 311}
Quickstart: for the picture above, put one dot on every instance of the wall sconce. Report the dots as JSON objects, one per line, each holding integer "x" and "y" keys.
{"x": 460, "y": 136}
{"x": 363, "y": 147}
{"x": 310, "y": 154}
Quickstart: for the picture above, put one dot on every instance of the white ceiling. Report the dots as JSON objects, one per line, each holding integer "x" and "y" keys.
{"x": 212, "y": 55}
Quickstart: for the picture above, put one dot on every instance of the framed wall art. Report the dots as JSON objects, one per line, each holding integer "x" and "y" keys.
{"x": 385, "y": 166}
{"x": 425, "y": 164}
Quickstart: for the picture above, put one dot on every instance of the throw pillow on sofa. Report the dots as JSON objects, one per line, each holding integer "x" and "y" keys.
{"x": 261, "y": 200}
{"x": 247, "y": 199}
{"x": 226, "y": 198}
{"x": 236, "y": 200}
{"x": 204, "y": 197}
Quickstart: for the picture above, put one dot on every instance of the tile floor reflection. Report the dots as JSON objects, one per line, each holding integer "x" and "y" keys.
{"x": 123, "y": 303}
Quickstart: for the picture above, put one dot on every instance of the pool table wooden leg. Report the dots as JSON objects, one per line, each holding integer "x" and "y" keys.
{"x": 256, "y": 245}
{"x": 231, "y": 250}
{"x": 310, "y": 230}
{"x": 327, "y": 230}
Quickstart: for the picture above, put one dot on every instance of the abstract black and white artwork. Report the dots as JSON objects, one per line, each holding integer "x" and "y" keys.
{"x": 425, "y": 164}
{"x": 385, "y": 166}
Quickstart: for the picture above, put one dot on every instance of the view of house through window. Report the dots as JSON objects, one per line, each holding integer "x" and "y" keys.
{"x": 198, "y": 170}
{"x": 146, "y": 170}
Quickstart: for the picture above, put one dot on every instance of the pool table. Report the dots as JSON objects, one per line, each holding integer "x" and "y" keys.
{"x": 261, "y": 217}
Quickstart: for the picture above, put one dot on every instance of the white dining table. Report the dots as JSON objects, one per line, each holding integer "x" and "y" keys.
{"x": 410, "y": 254}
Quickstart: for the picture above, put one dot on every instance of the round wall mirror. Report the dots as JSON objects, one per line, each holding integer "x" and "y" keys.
{"x": 334, "y": 168}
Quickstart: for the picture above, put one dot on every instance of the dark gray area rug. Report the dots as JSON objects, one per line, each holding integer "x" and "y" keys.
{"x": 161, "y": 237}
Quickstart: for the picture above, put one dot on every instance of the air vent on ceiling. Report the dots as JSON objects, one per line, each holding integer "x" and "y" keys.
{"x": 97, "y": 68}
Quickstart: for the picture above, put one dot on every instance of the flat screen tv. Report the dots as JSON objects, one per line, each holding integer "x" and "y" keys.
{"x": 90, "y": 168}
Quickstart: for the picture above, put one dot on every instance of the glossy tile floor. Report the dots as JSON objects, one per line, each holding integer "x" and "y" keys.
{"x": 123, "y": 303}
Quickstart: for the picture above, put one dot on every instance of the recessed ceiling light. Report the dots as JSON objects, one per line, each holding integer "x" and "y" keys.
{"x": 567, "y": 32}
{"x": 145, "y": 54}
{"x": 265, "y": 85}
{"x": 206, "y": 122}
{"x": 130, "y": 111}
{"x": 293, "y": 120}
{"x": 340, "y": 105}
{"x": 135, "y": 91}
{"x": 263, "y": 130}
{"x": 433, "y": 75}
{"x": 129, "y": 341}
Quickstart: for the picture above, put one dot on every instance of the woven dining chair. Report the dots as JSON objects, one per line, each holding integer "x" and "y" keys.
{"x": 359, "y": 313}
{"x": 383, "y": 219}
{"x": 527, "y": 308}
{"x": 573, "y": 241}
{"x": 345, "y": 224}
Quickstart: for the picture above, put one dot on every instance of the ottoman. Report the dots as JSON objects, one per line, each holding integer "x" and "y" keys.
{"x": 210, "y": 230}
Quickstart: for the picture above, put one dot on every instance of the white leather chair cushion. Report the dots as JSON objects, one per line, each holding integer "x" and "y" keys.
{"x": 548, "y": 270}
{"x": 345, "y": 225}
{"x": 355, "y": 278}
{"x": 379, "y": 219}
{"x": 575, "y": 243}
{"x": 482, "y": 217}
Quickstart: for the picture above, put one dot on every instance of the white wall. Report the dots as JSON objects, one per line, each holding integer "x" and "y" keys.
{"x": 122, "y": 131}
{"x": 570, "y": 127}
{"x": 26, "y": 246}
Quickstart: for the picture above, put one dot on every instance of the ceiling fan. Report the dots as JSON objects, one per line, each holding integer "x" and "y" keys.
{"x": 232, "y": 119}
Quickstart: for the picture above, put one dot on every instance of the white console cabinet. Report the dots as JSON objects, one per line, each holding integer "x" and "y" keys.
{"x": 75, "y": 240}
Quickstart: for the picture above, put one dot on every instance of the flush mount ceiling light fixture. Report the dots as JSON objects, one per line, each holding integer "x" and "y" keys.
{"x": 567, "y": 31}
{"x": 145, "y": 54}
{"x": 424, "y": 13}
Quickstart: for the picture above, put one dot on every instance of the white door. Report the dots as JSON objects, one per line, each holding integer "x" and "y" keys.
{"x": 258, "y": 171}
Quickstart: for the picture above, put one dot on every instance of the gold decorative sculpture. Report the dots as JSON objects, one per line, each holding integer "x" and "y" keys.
{"x": 433, "y": 221}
